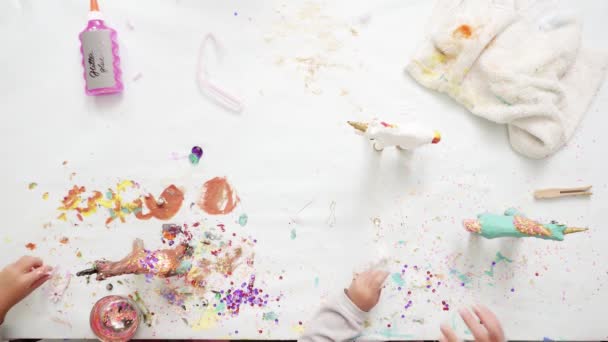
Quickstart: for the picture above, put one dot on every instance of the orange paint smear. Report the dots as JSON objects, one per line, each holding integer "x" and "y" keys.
{"x": 463, "y": 31}
{"x": 72, "y": 200}
{"x": 30, "y": 246}
{"x": 75, "y": 201}
{"x": 218, "y": 197}
{"x": 172, "y": 199}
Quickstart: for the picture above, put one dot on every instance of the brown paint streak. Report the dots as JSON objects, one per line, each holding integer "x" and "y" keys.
{"x": 218, "y": 197}
{"x": 463, "y": 31}
{"x": 172, "y": 199}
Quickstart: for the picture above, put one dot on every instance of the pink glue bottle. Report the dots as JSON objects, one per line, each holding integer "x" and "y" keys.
{"x": 100, "y": 60}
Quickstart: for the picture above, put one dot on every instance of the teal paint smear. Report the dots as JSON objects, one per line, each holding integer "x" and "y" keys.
{"x": 316, "y": 282}
{"x": 184, "y": 267}
{"x": 269, "y": 316}
{"x": 463, "y": 277}
{"x": 499, "y": 258}
{"x": 243, "y": 220}
{"x": 397, "y": 279}
{"x": 109, "y": 195}
{"x": 293, "y": 234}
{"x": 193, "y": 158}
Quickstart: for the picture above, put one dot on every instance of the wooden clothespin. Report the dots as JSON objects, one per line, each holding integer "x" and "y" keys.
{"x": 562, "y": 192}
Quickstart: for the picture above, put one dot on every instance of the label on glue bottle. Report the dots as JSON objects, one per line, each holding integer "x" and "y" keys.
{"x": 98, "y": 59}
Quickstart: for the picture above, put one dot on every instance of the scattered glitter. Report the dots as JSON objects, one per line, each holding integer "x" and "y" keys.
{"x": 171, "y": 231}
{"x": 446, "y": 306}
{"x": 175, "y": 296}
{"x": 64, "y": 240}
{"x": 30, "y": 246}
{"x": 246, "y": 294}
{"x": 32, "y": 185}
{"x": 512, "y": 290}
{"x": 109, "y": 287}
{"x": 293, "y": 234}
{"x": 45, "y": 196}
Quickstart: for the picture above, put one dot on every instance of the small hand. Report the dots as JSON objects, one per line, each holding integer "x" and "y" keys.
{"x": 364, "y": 291}
{"x": 488, "y": 330}
{"x": 19, "y": 279}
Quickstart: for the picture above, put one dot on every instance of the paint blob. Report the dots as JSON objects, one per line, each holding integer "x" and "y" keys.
{"x": 218, "y": 197}
{"x": 463, "y": 31}
{"x": 243, "y": 220}
{"x": 163, "y": 208}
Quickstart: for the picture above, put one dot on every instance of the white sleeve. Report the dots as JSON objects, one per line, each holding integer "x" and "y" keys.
{"x": 339, "y": 320}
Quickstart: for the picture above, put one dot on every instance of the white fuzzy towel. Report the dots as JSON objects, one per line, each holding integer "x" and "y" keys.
{"x": 514, "y": 62}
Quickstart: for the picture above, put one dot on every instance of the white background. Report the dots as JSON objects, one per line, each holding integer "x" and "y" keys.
{"x": 290, "y": 147}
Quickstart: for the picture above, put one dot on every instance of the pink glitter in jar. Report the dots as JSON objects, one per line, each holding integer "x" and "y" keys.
{"x": 114, "y": 318}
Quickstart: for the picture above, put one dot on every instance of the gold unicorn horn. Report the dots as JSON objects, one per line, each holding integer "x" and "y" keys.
{"x": 571, "y": 230}
{"x": 360, "y": 126}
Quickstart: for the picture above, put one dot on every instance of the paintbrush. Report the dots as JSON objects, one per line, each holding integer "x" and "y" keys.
{"x": 88, "y": 271}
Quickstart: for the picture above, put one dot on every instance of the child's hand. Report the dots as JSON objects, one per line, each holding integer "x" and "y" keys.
{"x": 488, "y": 330}
{"x": 365, "y": 289}
{"x": 19, "y": 279}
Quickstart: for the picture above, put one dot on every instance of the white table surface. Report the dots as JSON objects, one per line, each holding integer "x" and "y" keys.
{"x": 290, "y": 155}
